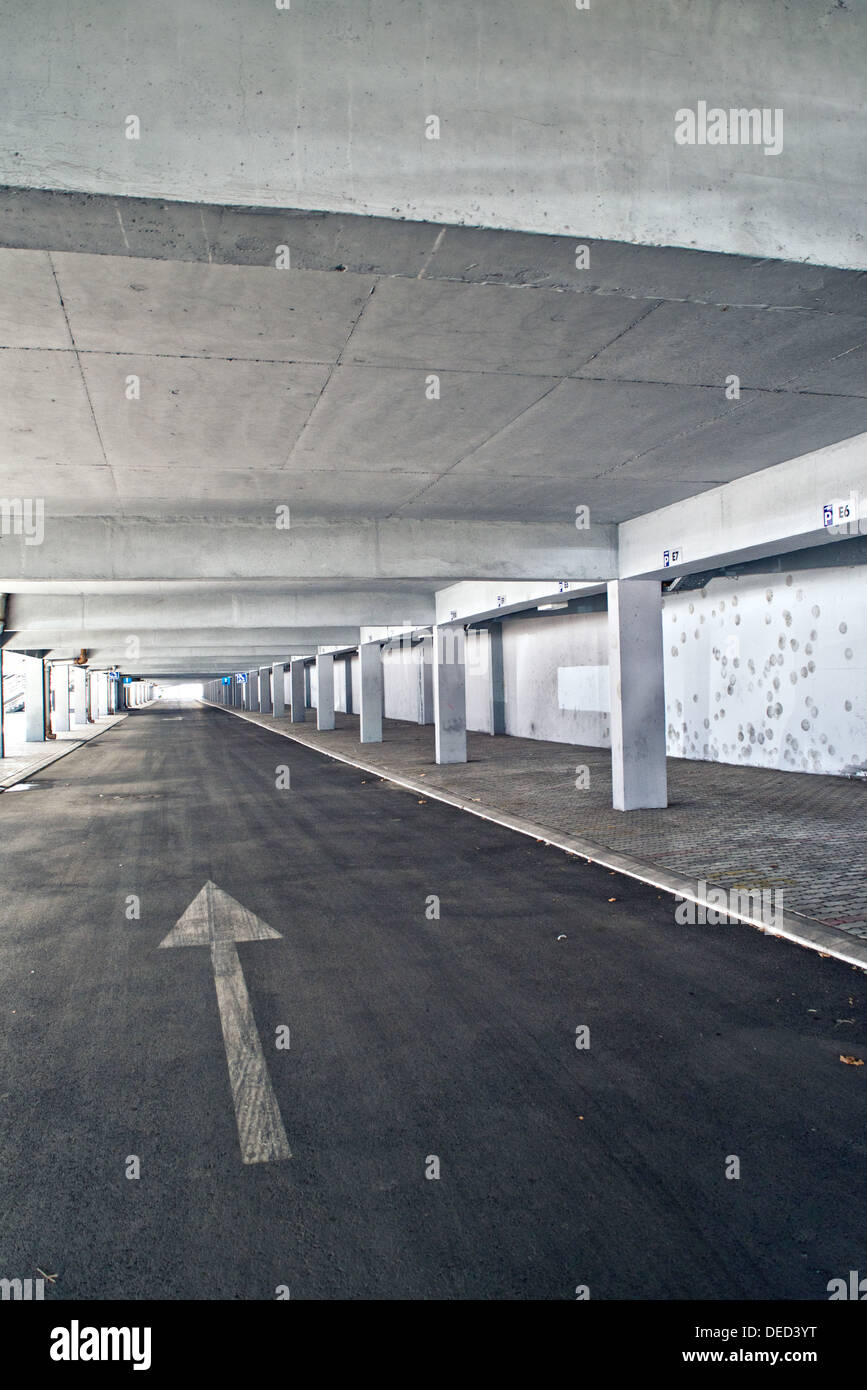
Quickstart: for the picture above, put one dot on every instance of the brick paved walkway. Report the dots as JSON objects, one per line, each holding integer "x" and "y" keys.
{"x": 739, "y": 827}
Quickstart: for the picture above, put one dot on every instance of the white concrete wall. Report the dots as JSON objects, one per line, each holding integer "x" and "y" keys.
{"x": 770, "y": 670}
{"x": 401, "y": 671}
{"x": 550, "y": 666}
{"x": 478, "y": 657}
{"x": 356, "y": 684}
{"x": 553, "y": 118}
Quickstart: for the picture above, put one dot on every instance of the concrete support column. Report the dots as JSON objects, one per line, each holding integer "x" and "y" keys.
{"x": 638, "y": 771}
{"x": 79, "y": 695}
{"x": 252, "y": 690}
{"x": 296, "y": 692}
{"x": 325, "y": 686}
{"x": 34, "y": 699}
{"x": 370, "y": 658}
{"x": 498, "y": 682}
{"x": 347, "y": 675}
{"x": 279, "y": 690}
{"x": 265, "y": 689}
{"x": 450, "y": 693}
{"x": 61, "y": 699}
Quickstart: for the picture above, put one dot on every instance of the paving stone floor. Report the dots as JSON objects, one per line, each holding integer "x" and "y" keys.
{"x": 745, "y": 827}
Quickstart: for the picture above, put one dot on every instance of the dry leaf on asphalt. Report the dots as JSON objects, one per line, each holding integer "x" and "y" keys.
{"x": 851, "y": 1061}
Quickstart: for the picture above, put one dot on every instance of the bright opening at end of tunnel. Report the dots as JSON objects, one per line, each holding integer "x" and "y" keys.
{"x": 189, "y": 690}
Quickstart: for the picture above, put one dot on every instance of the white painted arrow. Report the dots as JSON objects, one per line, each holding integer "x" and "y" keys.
{"x": 216, "y": 920}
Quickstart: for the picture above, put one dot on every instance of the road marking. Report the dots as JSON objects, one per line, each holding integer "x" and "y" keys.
{"x": 216, "y": 920}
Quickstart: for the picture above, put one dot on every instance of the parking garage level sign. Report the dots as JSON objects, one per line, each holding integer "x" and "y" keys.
{"x": 216, "y": 920}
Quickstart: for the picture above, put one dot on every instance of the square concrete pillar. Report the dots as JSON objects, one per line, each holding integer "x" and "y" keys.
{"x": 60, "y": 680}
{"x": 347, "y": 676}
{"x": 252, "y": 691}
{"x": 325, "y": 685}
{"x": 450, "y": 693}
{"x": 498, "y": 683}
{"x": 279, "y": 690}
{"x": 638, "y": 771}
{"x": 34, "y": 699}
{"x": 265, "y": 689}
{"x": 370, "y": 659}
{"x": 296, "y": 691}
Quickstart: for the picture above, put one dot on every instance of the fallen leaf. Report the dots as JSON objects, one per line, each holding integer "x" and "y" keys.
{"x": 422, "y": 803}
{"x": 612, "y": 900}
{"x": 851, "y": 1061}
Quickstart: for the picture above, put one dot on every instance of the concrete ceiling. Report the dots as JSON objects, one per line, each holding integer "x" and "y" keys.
{"x": 308, "y": 389}
{"x": 261, "y": 388}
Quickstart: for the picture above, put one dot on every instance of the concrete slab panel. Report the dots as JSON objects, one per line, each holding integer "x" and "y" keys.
{"x": 201, "y": 414}
{"x": 584, "y": 427}
{"x": 437, "y": 324}
{"x": 209, "y": 311}
{"x": 768, "y": 430}
{"x": 44, "y": 413}
{"x": 701, "y": 344}
{"x": 380, "y": 418}
{"x": 31, "y": 314}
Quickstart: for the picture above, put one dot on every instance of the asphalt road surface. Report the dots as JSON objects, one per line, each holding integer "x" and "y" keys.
{"x": 411, "y": 1039}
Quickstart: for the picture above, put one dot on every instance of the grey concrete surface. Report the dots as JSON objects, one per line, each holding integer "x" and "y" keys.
{"x": 23, "y": 759}
{"x": 537, "y": 106}
{"x": 260, "y": 395}
{"x": 412, "y": 1036}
